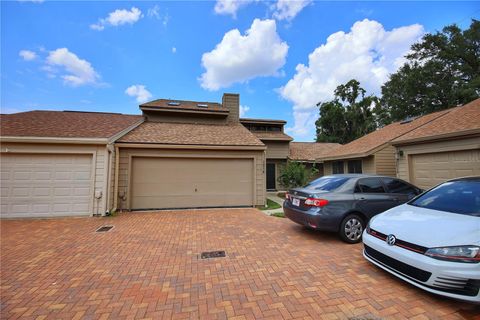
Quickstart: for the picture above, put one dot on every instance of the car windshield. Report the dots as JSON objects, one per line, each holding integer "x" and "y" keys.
{"x": 327, "y": 183}
{"x": 461, "y": 196}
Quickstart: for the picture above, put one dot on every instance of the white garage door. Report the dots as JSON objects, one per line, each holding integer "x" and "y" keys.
{"x": 41, "y": 185}
{"x": 431, "y": 169}
{"x": 191, "y": 183}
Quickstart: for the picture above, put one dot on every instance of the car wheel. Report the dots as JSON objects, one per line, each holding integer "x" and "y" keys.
{"x": 351, "y": 228}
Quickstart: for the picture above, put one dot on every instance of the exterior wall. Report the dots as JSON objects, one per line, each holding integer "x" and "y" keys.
{"x": 99, "y": 157}
{"x": 385, "y": 161}
{"x": 277, "y": 149}
{"x": 184, "y": 118}
{"x": 126, "y": 153}
{"x": 327, "y": 168}
{"x": 403, "y": 163}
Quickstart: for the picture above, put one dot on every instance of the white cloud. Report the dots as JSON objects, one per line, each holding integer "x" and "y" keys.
{"x": 288, "y": 9}
{"x": 367, "y": 53}
{"x": 244, "y": 110}
{"x": 27, "y": 55}
{"x": 139, "y": 92}
{"x": 174, "y": 50}
{"x": 154, "y": 12}
{"x": 78, "y": 71}
{"x": 117, "y": 18}
{"x": 239, "y": 58}
{"x": 230, "y": 7}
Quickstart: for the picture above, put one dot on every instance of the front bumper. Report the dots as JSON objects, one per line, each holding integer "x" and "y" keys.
{"x": 313, "y": 218}
{"x": 450, "y": 279}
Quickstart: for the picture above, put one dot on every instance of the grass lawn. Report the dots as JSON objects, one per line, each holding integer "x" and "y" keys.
{"x": 270, "y": 205}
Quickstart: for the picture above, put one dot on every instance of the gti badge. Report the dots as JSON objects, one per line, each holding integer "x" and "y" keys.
{"x": 391, "y": 239}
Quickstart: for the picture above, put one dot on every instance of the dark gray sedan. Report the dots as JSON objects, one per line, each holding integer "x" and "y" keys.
{"x": 344, "y": 203}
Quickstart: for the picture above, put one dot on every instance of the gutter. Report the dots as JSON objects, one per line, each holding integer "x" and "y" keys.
{"x": 187, "y": 146}
{"x": 446, "y": 136}
{"x": 54, "y": 140}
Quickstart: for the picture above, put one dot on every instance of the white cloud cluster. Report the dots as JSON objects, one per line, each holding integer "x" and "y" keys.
{"x": 239, "y": 58}
{"x": 288, "y": 9}
{"x": 78, "y": 71}
{"x": 230, "y": 7}
{"x": 117, "y": 18}
{"x": 244, "y": 110}
{"x": 367, "y": 53}
{"x": 140, "y": 93}
{"x": 27, "y": 55}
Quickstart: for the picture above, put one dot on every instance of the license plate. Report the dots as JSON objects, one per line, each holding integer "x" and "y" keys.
{"x": 296, "y": 202}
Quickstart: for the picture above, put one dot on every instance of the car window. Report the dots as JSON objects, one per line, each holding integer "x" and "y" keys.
{"x": 370, "y": 185}
{"x": 455, "y": 196}
{"x": 397, "y": 186}
{"x": 327, "y": 183}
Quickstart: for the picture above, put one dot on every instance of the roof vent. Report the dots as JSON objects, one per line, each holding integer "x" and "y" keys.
{"x": 407, "y": 120}
{"x": 202, "y": 105}
{"x": 174, "y": 103}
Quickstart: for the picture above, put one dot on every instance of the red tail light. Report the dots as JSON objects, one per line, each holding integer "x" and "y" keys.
{"x": 287, "y": 196}
{"x": 312, "y": 202}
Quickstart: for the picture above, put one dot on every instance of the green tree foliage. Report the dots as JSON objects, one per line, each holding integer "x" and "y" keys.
{"x": 442, "y": 71}
{"x": 348, "y": 116}
{"x": 295, "y": 174}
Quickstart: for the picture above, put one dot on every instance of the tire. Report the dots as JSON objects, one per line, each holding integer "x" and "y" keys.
{"x": 351, "y": 228}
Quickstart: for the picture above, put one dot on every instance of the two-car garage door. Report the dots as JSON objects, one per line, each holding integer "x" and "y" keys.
{"x": 431, "y": 169}
{"x": 45, "y": 185}
{"x": 191, "y": 182}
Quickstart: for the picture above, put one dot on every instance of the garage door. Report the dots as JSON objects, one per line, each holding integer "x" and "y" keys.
{"x": 191, "y": 183}
{"x": 40, "y": 185}
{"x": 433, "y": 168}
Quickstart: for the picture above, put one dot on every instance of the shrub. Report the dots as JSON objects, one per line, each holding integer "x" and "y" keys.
{"x": 295, "y": 174}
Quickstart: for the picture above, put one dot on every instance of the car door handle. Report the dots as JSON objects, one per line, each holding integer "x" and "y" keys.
{"x": 361, "y": 198}
{"x": 395, "y": 199}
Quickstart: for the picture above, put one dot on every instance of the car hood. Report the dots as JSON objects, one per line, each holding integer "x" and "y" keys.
{"x": 428, "y": 228}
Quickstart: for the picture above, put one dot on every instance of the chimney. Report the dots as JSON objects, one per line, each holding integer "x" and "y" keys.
{"x": 231, "y": 101}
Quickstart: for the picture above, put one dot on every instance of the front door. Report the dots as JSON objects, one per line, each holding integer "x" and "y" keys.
{"x": 271, "y": 177}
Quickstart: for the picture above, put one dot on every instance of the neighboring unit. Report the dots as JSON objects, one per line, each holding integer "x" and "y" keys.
{"x": 308, "y": 153}
{"x": 445, "y": 148}
{"x": 372, "y": 153}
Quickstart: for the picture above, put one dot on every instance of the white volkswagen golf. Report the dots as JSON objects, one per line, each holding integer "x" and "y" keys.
{"x": 433, "y": 241}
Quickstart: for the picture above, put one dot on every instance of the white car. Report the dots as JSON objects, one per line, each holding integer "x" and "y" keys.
{"x": 433, "y": 241}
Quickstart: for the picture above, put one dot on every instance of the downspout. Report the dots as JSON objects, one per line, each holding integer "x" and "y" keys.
{"x": 108, "y": 202}
{"x": 115, "y": 192}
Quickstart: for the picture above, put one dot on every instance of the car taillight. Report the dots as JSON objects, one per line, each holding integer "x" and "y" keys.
{"x": 312, "y": 202}
{"x": 287, "y": 196}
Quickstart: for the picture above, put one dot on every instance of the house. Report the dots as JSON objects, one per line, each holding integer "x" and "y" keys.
{"x": 271, "y": 133}
{"x": 308, "y": 153}
{"x": 373, "y": 153}
{"x": 177, "y": 154}
{"x": 58, "y": 163}
{"x": 445, "y": 148}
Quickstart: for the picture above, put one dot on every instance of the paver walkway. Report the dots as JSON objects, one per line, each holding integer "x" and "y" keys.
{"x": 148, "y": 266}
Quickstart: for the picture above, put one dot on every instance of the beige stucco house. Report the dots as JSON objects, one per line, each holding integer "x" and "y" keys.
{"x": 445, "y": 148}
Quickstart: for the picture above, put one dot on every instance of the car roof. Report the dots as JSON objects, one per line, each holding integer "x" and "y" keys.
{"x": 472, "y": 178}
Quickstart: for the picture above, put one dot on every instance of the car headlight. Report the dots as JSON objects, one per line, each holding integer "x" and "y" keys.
{"x": 367, "y": 229}
{"x": 468, "y": 254}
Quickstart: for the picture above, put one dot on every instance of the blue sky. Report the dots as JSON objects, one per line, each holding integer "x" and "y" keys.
{"x": 281, "y": 56}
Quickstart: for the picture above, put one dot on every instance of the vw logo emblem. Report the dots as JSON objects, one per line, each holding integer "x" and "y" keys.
{"x": 391, "y": 239}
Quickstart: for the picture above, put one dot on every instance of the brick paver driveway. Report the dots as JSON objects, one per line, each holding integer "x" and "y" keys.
{"x": 148, "y": 266}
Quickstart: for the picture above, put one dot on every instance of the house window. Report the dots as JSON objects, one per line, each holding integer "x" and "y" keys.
{"x": 337, "y": 167}
{"x": 355, "y": 166}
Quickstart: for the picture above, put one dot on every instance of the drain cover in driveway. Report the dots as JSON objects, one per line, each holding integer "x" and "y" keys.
{"x": 104, "y": 229}
{"x": 213, "y": 254}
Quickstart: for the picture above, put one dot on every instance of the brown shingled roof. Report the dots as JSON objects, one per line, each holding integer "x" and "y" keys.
{"x": 65, "y": 124}
{"x": 458, "y": 121}
{"x": 272, "y": 135}
{"x": 367, "y": 144}
{"x": 191, "y": 134}
{"x": 310, "y": 151}
{"x": 185, "y": 105}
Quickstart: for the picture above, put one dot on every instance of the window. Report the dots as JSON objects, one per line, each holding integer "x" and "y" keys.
{"x": 370, "y": 185}
{"x": 337, "y": 167}
{"x": 397, "y": 186}
{"x": 327, "y": 183}
{"x": 461, "y": 197}
{"x": 355, "y": 166}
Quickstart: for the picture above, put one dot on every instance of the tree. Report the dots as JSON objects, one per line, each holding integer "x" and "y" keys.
{"x": 295, "y": 174}
{"x": 442, "y": 71}
{"x": 348, "y": 116}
